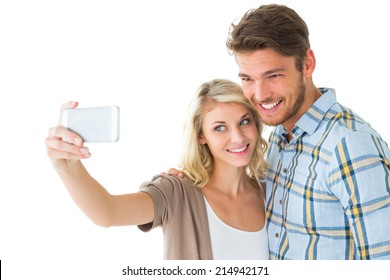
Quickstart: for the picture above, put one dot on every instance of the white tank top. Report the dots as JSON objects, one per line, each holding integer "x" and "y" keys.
{"x": 229, "y": 243}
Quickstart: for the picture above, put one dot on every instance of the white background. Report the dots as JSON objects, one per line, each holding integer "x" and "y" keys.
{"x": 147, "y": 57}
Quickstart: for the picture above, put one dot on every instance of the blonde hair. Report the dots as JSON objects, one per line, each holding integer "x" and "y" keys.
{"x": 197, "y": 161}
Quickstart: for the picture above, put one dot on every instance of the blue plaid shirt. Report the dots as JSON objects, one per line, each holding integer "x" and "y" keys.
{"x": 328, "y": 189}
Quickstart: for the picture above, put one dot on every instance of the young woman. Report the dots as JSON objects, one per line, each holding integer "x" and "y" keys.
{"x": 217, "y": 211}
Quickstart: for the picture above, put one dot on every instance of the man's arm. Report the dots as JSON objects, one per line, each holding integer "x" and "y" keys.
{"x": 360, "y": 178}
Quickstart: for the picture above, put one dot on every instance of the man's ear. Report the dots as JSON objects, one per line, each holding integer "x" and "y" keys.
{"x": 201, "y": 140}
{"x": 310, "y": 63}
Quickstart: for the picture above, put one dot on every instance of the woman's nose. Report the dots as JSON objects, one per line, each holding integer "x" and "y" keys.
{"x": 236, "y": 135}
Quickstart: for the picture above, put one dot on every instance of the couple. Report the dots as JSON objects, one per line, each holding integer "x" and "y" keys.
{"x": 326, "y": 191}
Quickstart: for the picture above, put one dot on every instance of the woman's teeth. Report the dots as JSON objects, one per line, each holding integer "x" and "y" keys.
{"x": 238, "y": 150}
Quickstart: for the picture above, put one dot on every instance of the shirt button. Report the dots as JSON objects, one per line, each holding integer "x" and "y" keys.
{"x": 276, "y": 235}
{"x": 284, "y": 170}
{"x": 280, "y": 202}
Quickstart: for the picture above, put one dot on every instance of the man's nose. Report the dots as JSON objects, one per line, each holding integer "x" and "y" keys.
{"x": 260, "y": 92}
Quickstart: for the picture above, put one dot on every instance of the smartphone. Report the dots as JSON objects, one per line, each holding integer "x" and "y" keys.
{"x": 94, "y": 124}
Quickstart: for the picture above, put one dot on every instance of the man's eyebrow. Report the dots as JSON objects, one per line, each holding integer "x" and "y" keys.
{"x": 266, "y": 73}
{"x": 274, "y": 70}
{"x": 243, "y": 75}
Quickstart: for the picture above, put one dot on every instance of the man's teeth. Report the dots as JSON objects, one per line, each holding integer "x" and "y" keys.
{"x": 270, "y": 106}
{"x": 238, "y": 150}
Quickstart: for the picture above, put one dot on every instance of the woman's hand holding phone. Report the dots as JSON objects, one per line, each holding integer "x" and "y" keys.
{"x": 64, "y": 147}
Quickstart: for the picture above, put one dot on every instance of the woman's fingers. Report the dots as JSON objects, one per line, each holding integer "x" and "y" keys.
{"x": 65, "y": 106}
{"x": 65, "y": 144}
{"x": 59, "y": 149}
{"x": 60, "y": 132}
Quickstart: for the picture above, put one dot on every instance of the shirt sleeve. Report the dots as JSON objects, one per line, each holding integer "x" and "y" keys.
{"x": 162, "y": 190}
{"x": 360, "y": 178}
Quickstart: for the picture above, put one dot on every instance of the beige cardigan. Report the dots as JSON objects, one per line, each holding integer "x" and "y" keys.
{"x": 180, "y": 210}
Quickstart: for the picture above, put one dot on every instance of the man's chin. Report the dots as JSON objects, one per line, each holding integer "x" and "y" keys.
{"x": 271, "y": 121}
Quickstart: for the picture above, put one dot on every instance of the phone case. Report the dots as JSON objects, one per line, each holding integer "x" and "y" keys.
{"x": 94, "y": 124}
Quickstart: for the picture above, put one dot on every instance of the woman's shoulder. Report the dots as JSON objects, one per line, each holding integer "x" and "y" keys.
{"x": 171, "y": 179}
{"x": 166, "y": 182}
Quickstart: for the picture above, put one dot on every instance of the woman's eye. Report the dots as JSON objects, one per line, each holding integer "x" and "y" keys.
{"x": 244, "y": 121}
{"x": 220, "y": 128}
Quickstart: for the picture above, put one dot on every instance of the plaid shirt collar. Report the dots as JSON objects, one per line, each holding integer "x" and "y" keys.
{"x": 312, "y": 118}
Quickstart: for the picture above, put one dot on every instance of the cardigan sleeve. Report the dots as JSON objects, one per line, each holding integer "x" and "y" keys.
{"x": 165, "y": 192}
{"x": 160, "y": 190}
{"x": 180, "y": 210}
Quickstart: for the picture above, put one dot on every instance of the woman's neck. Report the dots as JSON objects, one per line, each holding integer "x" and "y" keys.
{"x": 231, "y": 181}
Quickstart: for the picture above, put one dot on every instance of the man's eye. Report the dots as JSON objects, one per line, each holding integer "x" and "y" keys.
{"x": 274, "y": 76}
{"x": 245, "y": 79}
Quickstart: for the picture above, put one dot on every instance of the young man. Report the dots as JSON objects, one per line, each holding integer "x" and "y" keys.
{"x": 328, "y": 186}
